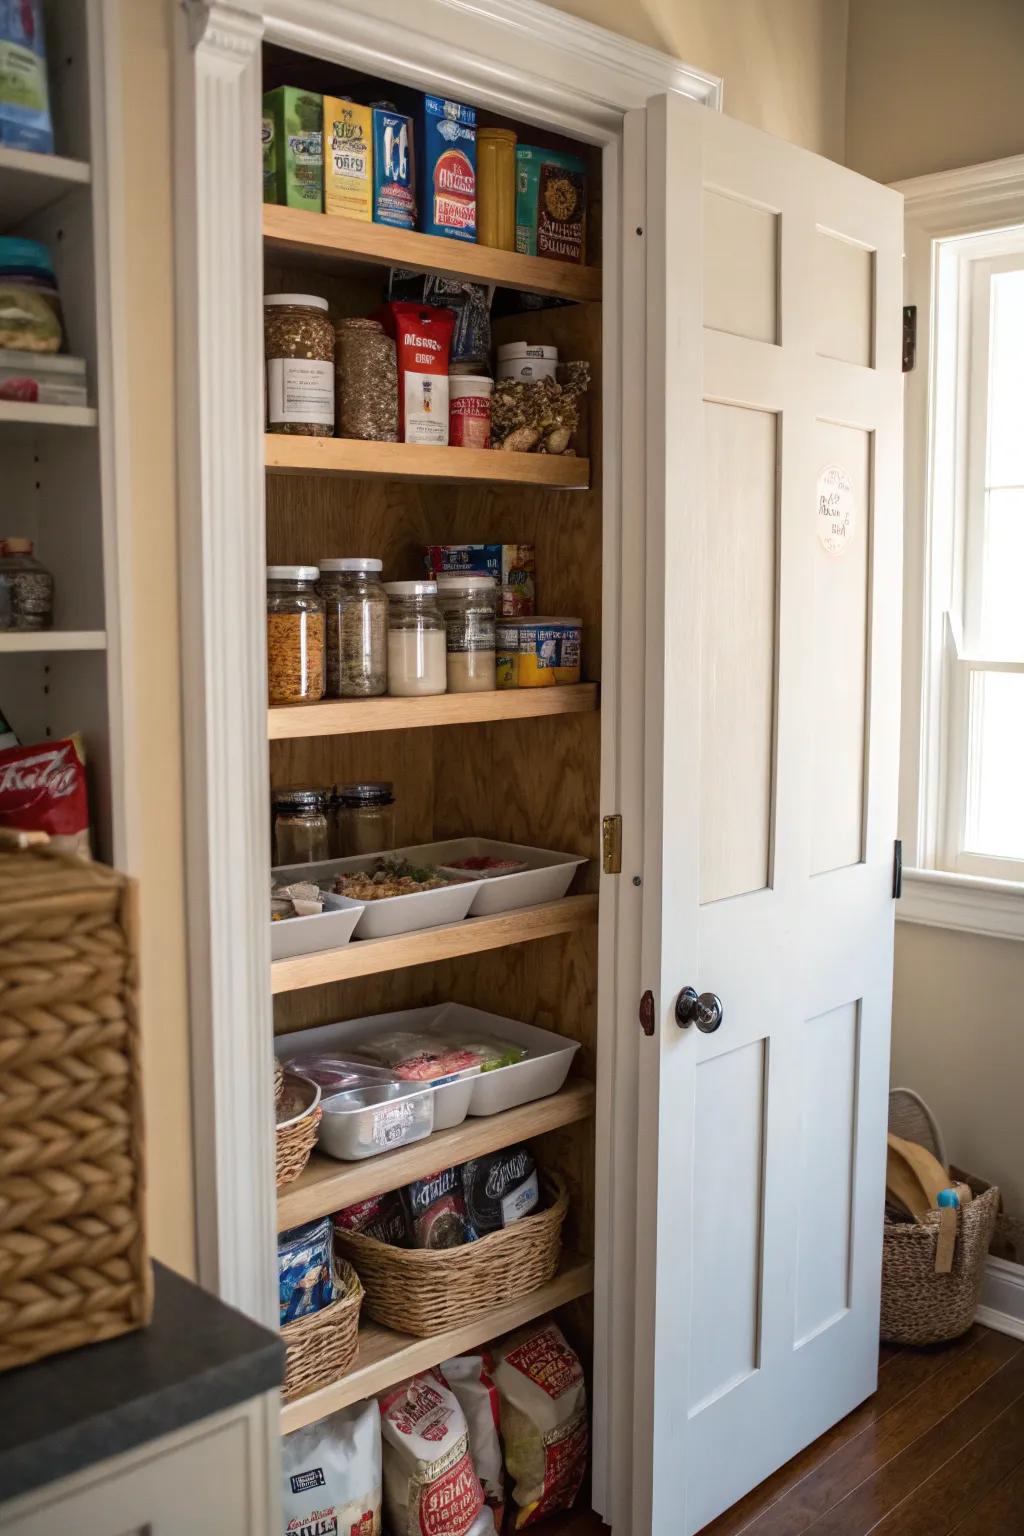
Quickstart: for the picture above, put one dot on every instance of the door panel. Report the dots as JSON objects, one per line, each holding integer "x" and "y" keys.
{"x": 772, "y": 319}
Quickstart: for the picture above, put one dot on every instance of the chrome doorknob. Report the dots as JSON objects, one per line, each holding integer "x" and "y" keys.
{"x": 704, "y": 1010}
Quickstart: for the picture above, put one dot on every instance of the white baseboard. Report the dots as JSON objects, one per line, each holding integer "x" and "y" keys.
{"x": 1002, "y": 1297}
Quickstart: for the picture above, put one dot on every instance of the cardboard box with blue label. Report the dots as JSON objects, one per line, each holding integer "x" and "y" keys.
{"x": 446, "y": 152}
{"x": 394, "y": 169}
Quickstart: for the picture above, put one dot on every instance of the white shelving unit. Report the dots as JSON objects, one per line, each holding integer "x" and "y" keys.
{"x": 59, "y": 461}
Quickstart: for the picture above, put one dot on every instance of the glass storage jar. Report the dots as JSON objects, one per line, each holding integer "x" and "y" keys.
{"x": 298, "y": 343}
{"x": 362, "y": 819}
{"x": 416, "y": 639}
{"x": 295, "y": 635}
{"x": 496, "y": 188}
{"x": 357, "y": 628}
{"x": 26, "y": 587}
{"x": 300, "y": 825}
{"x": 468, "y": 600}
{"x": 366, "y": 381}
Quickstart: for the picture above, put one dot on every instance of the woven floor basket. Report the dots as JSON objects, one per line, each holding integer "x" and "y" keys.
{"x": 919, "y": 1306}
{"x": 322, "y": 1347}
{"x": 423, "y": 1291}
{"x": 73, "y": 1262}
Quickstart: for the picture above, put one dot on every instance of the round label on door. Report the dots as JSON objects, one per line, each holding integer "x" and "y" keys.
{"x": 836, "y": 518}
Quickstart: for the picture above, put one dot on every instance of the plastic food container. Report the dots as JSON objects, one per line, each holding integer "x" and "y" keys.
{"x": 392, "y": 915}
{"x": 469, "y": 410}
{"x": 361, "y": 1122}
{"x": 31, "y": 319}
{"x": 450, "y": 1099}
{"x": 523, "y": 360}
{"x": 546, "y": 876}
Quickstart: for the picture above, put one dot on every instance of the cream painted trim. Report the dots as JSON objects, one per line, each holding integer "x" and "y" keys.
{"x": 1002, "y": 1293}
{"x": 961, "y": 202}
{"x": 937, "y": 899}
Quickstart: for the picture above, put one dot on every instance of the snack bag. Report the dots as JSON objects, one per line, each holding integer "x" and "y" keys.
{"x": 435, "y": 1210}
{"x": 423, "y": 338}
{"x": 381, "y": 1217}
{"x": 422, "y": 1058}
{"x": 543, "y": 1420}
{"x": 469, "y": 1377}
{"x": 430, "y": 1487}
{"x": 305, "y": 1269}
{"x": 500, "y": 1188}
{"x": 332, "y": 1475}
{"x": 42, "y": 789}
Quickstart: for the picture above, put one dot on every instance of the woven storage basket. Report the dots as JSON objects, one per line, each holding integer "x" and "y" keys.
{"x": 423, "y": 1291}
{"x": 73, "y": 1261}
{"x": 322, "y": 1347}
{"x": 919, "y": 1306}
{"x": 295, "y": 1139}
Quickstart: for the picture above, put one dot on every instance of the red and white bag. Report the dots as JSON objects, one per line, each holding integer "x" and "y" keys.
{"x": 469, "y": 1377}
{"x": 430, "y": 1487}
{"x": 42, "y": 789}
{"x": 543, "y": 1420}
{"x": 423, "y": 340}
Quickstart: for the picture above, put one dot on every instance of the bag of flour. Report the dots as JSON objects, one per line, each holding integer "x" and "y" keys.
{"x": 430, "y": 1487}
{"x": 469, "y": 1377}
{"x": 543, "y": 1420}
{"x": 332, "y": 1475}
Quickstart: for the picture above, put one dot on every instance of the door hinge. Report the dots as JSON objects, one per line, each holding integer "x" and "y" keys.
{"x": 909, "y": 337}
{"x": 897, "y": 869}
{"x": 611, "y": 845}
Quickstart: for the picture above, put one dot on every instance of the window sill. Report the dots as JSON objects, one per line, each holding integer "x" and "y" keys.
{"x": 938, "y": 899}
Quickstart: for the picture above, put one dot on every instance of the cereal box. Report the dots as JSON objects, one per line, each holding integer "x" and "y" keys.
{"x": 551, "y": 204}
{"x": 269, "y": 158}
{"x": 348, "y": 158}
{"x": 446, "y": 146}
{"x": 513, "y": 567}
{"x": 394, "y": 173}
{"x": 297, "y": 138}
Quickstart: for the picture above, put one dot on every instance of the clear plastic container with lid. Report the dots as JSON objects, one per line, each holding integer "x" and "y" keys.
{"x": 26, "y": 587}
{"x": 298, "y": 343}
{"x": 416, "y": 640}
{"x": 300, "y": 825}
{"x": 295, "y": 635}
{"x": 357, "y": 628}
{"x": 362, "y": 819}
{"x": 468, "y": 600}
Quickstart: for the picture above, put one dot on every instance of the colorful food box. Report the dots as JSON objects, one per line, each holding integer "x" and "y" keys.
{"x": 348, "y": 158}
{"x": 269, "y": 157}
{"x": 551, "y": 204}
{"x": 446, "y": 147}
{"x": 513, "y": 567}
{"x": 394, "y": 170}
{"x": 25, "y": 121}
{"x": 296, "y": 147}
{"x": 538, "y": 653}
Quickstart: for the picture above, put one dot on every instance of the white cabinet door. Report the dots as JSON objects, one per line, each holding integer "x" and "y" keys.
{"x": 773, "y": 306}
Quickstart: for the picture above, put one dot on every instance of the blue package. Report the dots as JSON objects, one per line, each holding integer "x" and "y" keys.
{"x": 446, "y": 156}
{"x": 305, "y": 1269}
{"x": 24, "y": 96}
{"x": 394, "y": 171}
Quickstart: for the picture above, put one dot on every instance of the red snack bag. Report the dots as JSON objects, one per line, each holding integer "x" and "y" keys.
{"x": 423, "y": 339}
{"x": 42, "y": 789}
{"x": 381, "y": 1216}
{"x": 543, "y": 1420}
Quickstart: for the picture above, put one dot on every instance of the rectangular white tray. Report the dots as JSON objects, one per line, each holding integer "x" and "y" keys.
{"x": 332, "y": 928}
{"x": 394, "y": 914}
{"x": 547, "y": 877}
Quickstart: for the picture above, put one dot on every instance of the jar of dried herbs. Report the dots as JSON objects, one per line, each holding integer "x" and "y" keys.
{"x": 295, "y": 635}
{"x": 26, "y": 587}
{"x": 357, "y": 628}
{"x": 298, "y": 341}
{"x": 366, "y": 377}
{"x": 300, "y": 825}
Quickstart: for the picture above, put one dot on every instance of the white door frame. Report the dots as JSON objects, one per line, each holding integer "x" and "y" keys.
{"x": 531, "y": 62}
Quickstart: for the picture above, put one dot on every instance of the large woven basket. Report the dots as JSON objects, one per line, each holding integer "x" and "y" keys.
{"x": 323, "y": 1346}
{"x": 73, "y": 1262}
{"x": 423, "y": 1291}
{"x": 298, "y": 1117}
{"x": 919, "y": 1306}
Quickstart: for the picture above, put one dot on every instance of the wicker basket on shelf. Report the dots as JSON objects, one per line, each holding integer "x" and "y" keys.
{"x": 73, "y": 1261}
{"x": 323, "y": 1346}
{"x": 298, "y": 1116}
{"x": 424, "y": 1291}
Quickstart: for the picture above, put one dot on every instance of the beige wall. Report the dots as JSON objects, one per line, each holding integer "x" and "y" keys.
{"x": 933, "y": 84}
{"x": 152, "y": 667}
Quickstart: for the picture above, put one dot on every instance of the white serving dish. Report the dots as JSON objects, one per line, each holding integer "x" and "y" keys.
{"x": 547, "y": 876}
{"x": 394, "y": 914}
{"x": 329, "y": 929}
{"x": 363, "y": 1122}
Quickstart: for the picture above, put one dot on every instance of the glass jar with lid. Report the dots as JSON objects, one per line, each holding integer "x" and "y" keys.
{"x": 300, "y": 825}
{"x": 362, "y": 819}
{"x": 366, "y": 380}
{"x": 26, "y": 587}
{"x": 416, "y": 639}
{"x": 468, "y": 600}
{"x": 295, "y": 635}
{"x": 357, "y": 628}
{"x": 298, "y": 344}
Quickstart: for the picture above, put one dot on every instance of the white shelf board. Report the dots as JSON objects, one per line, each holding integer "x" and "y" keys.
{"x": 40, "y": 641}
{"x": 30, "y": 181}
{"x": 22, "y": 413}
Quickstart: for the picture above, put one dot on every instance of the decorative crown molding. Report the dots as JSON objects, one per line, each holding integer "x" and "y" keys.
{"x": 974, "y": 197}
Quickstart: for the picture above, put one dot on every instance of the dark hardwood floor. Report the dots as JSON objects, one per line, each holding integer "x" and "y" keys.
{"x": 938, "y": 1450}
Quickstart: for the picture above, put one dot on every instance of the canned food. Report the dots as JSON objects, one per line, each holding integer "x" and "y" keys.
{"x": 538, "y": 653}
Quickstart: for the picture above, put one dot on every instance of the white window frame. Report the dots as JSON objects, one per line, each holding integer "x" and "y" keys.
{"x": 945, "y": 885}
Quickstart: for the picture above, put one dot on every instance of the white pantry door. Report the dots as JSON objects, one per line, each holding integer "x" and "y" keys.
{"x": 773, "y": 402}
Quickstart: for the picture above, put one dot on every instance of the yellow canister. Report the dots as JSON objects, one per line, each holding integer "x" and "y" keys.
{"x": 549, "y": 652}
{"x": 496, "y": 188}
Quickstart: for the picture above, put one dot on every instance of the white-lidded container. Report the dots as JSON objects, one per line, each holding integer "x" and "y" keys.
{"x": 469, "y": 410}
{"x": 527, "y": 360}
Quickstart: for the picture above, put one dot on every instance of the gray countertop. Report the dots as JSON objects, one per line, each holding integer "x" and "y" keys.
{"x": 197, "y": 1357}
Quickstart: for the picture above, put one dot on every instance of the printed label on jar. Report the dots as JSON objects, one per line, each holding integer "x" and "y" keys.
{"x": 470, "y": 632}
{"x": 469, "y": 423}
{"x": 300, "y": 389}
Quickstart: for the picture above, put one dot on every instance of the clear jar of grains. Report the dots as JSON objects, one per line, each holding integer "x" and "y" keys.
{"x": 295, "y": 635}
{"x": 298, "y": 344}
{"x": 362, "y": 819}
{"x": 300, "y": 825}
{"x": 366, "y": 380}
{"x": 26, "y": 587}
{"x": 357, "y": 628}
{"x": 416, "y": 639}
{"x": 468, "y": 600}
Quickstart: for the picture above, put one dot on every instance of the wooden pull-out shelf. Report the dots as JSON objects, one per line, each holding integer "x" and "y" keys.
{"x": 386, "y": 1357}
{"x": 345, "y": 717}
{"x": 347, "y": 456}
{"x": 327, "y": 1185}
{"x": 297, "y": 237}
